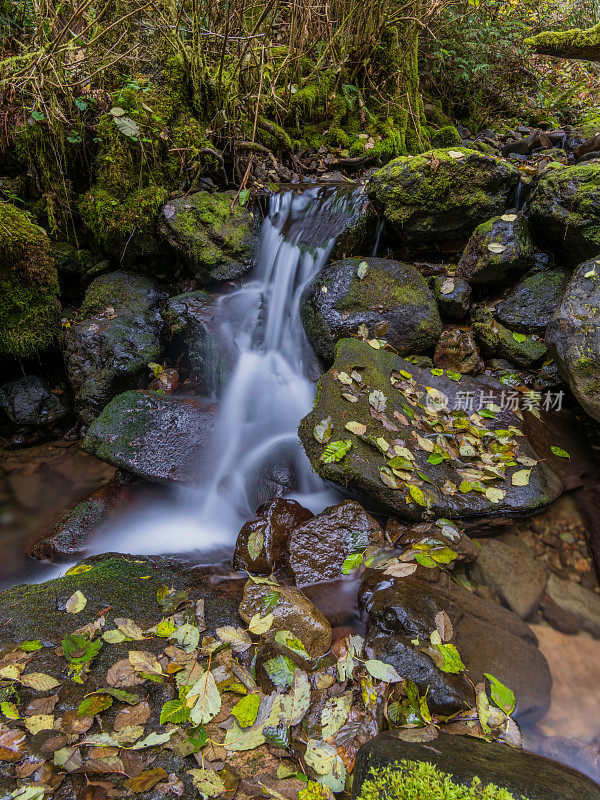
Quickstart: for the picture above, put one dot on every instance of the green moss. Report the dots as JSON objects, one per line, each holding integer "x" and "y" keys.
{"x": 411, "y": 780}
{"x": 446, "y": 137}
{"x": 574, "y": 43}
{"x": 496, "y": 340}
{"x": 29, "y": 312}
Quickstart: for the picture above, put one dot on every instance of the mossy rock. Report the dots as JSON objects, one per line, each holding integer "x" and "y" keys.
{"x": 564, "y": 212}
{"x": 438, "y": 196}
{"x": 499, "y": 249}
{"x": 214, "y": 242}
{"x": 496, "y": 340}
{"x": 573, "y": 336}
{"x": 453, "y": 295}
{"x": 460, "y": 768}
{"x": 408, "y": 412}
{"x": 337, "y": 301}
{"x": 529, "y": 306}
{"x": 30, "y": 309}
{"x": 446, "y": 137}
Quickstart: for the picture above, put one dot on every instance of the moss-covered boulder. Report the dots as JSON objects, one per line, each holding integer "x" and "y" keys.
{"x": 498, "y": 250}
{"x": 498, "y": 341}
{"x": 118, "y": 335}
{"x": 462, "y": 768}
{"x": 405, "y": 438}
{"x": 573, "y": 336}
{"x": 391, "y": 299}
{"x": 155, "y": 436}
{"x": 529, "y": 306}
{"x": 30, "y": 402}
{"x": 215, "y": 242}
{"x": 442, "y": 195}
{"x": 29, "y": 312}
{"x": 564, "y": 212}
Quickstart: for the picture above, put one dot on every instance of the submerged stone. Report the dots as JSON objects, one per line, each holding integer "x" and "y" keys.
{"x": 529, "y": 306}
{"x": 498, "y": 250}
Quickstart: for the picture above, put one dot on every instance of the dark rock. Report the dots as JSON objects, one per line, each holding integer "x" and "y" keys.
{"x": 528, "y": 307}
{"x": 573, "y": 335}
{"x": 583, "y": 604}
{"x": 457, "y": 351}
{"x": 267, "y": 534}
{"x": 31, "y": 402}
{"x": 559, "y": 618}
{"x": 519, "y": 580}
{"x": 359, "y": 233}
{"x": 317, "y": 548}
{"x": 442, "y": 532}
{"x": 410, "y": 413}
{"x": 539, "y": 140}
{"x": 464, "y": 758}
{"x": 453, "y": 296}
{"x": 500, "y": 248}
{"x": 392, "y": 300}
{"x": 591, "y": 145}
{"x": 155, "y": 436}
{"x": 496, "y": 340}
{"x": 594, "y": 156}
{"x": 214, "y": 243}
{"x": 435, "y": 197}
{"x": 109, "y": 350}
{"x": 564, "y": 212}
{"x": 488, "y": 637}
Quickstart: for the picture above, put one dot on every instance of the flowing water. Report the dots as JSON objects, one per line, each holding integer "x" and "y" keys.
{"x": 256, "y": 452}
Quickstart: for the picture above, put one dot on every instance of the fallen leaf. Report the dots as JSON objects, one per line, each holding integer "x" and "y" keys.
{"x": 76, "y": 603}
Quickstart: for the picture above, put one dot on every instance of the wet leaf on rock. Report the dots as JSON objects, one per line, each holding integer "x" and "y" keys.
{"x": 377, "y": 400}
{"x": 352, "y": 562}
{"x": 362, "y": 269}
{"x": 558, "y": 451}
{"x": 39, "y": 681}
{"x": 335, "y": 713}
{"x": 94, "y": 704}
{"x": 502, "y": 696}
{"x": 208, "y": 702}
{"x": 246, "y": 710}
{"x": 382, "y": 671}
{"x": 280, "y": 670}
{"x": 323, "y": 430}
{"x": 207, "y": 781}
{"x": 521, "y": 477}
{"x": 295, "y": 704}
{"x": 145, "y": 781}
{"x": 335, "y": 451}
{"x": 256, "y": 541}
{"x": 444, "y": 626}
{"x": 259, "y": 625}
{"x": 13, "y": 744}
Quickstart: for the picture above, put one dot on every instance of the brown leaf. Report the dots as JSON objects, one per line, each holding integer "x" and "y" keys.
{"x": 13, "y": 744}
{"x": 400, "y": 569}
{"x": 103, "y": 760}
{"x": 427, "y": 734}
{"x": 145, "y": 780}
{"x": 72, "y": 723}
{"x": 133, "y": 715}
{"x": 444, "y": 626}
{"x": 122, "y": 675}
{"x": 173, "y": 785}
{"x": 42, "y": 705}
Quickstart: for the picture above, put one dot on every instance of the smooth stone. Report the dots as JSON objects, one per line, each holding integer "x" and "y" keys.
{"x": 529, "y": 306}
{"x": 455, "y": 304}
{"x": 582, "y": 603}
{"x": 482, "y": 266}
{"x": 30, "y": 401}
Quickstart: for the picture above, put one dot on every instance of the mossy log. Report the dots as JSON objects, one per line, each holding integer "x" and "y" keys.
{"x": 576, "y": 43}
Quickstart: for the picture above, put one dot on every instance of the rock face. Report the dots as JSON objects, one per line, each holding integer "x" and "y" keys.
{"x": 155, "y": 436}
{"x": 573, "y": 336}
{"x": 497, "y": 341}
{"x": 499, "y": 249}
{"x": 439, "y": 196}
{"x": 213, "y": 242}
{"x": 529, "y": 306}
{"x": 30, "y": 402}
{"x": 488, "y": 637}
{"x": 261, "y": 544}
{"x": 119, "y": 334}
{"x": 453, "y": 296}
{"x": 411, "y": 422}
{"x": 521, "y": 773}
{"x": 390, "y": 297}
{"x": 317, "y": 548}
{"x": 565, "y": 212}
{"x": 519, "y": 581}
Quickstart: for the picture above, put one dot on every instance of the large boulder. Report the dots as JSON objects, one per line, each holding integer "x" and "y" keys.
{"x": 373, "y": 406}
{"x": 564, "y": 212}
{"x": 441, "y": 195}
{"x": 529, "y": 306}
{"x": 155, "y": 436}
{"x": 378, "y": 293}
{"x": 573, "y": 336}
{"x": 488, "y": 637}
{"x": 30, "y": 402}
{"x": 29, "y": 312}
{"x": 498, "y": 341}
{"x": 498, "y": 250}
{"x": 463, "y": 758}
{"x": 109, "y": 349}
{"x": 215, "y": 242}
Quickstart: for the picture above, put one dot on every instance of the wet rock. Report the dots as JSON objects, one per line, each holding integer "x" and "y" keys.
{"x": 457, "y": 351}
{"x": 213, "y": 242}
{"x": 442, "y": 531}
{"x": 359, "y": 234}
{"x": 498, "y": 250}
{"x": 154, "y": 436}
{"x": 437, "y": 196}
{"x": 109, "y": 350}
{"x": 189, "y": 325}
{"x": 453, "y": 296}
{"x": 558, "y": 618}
{"x": 582, "y": 603}
{"x": 488, "y": 637}
{"x": 31, "y": 402}
{"x": 464, "y": 758}
{"x": 565, "y": 212}
{"x": 391, "y": 299}
{"x": 529, "y": 306}
{"x": 539, "y": 140}
{"x": 261, "y": 543}
{"x": 573, "y": 335}
{"x": 317, "y": 548}
{"x": 293, "y": 612}
{"x": 496, "y": 340}
{"x": 591, "y": 145}
{"x": 69, "y": 537}
{"x": 518, "y": 580}
{"x": 409, "y": 414}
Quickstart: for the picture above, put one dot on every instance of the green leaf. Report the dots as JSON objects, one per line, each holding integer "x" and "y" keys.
{"x": 486, "y": 413}
{"x": 174, "y": 711}
{"x": 323, "y": 430}
{"x": 246, "y": 710}
{"x": 382, "y": 671}
{"x": 335, "y": 713}
{"x": 417, "y": 495}
{"x": 127, "y": 126}
{"x": 94, "y": 704}
{"x": 352, "y": 562}
{"x": 207, "y": 781}
{"x": 244, "y": 196}
{"x": 362, "y": 269}
{"x": 281, "y": 671}
{"x": 256, "y": 542}
{"x": 287, "y": 639}
{"x": 449, "y": 659}
{"x": 521, "y": 477}
{"x": 335, "y": 451}
{"x": 437, "y": 372}
{"x": 76, "y": 603}
{"x": 269, "y": 602}
{"x": 435, "y": 458}
{"x": 10, "y": 710}
{"x": 30, "y": 646}
{"x": 295, "y": 704}
{"x": 501, "y": 694}
{"x": 519, "y": 337}
{"x": 558, "y": 451}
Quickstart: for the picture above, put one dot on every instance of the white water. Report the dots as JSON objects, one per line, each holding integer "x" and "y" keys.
{"x": 256, "y": 450}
